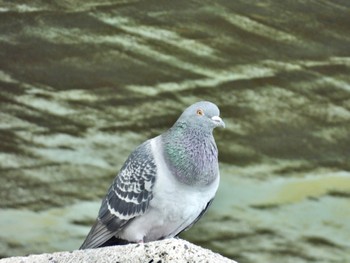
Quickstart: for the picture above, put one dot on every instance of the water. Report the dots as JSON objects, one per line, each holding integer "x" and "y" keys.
{"x": 83, "y": 83}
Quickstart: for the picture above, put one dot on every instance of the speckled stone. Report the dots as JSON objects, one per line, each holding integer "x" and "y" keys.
{"x": 169, "y": 250}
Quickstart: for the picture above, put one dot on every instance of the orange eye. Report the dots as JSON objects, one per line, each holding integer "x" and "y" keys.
{"x": 200, "y": 112}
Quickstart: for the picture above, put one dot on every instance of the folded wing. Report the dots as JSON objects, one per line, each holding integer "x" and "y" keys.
{"x": 128, "y": 197}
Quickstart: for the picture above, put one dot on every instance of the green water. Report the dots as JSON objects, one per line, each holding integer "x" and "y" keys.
{"x": 83, "y": 83}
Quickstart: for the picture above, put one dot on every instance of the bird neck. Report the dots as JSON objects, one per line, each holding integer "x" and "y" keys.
{"x": 191, "y": 154}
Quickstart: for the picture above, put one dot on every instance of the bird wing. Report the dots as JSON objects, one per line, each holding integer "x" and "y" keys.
{"x": 197, "y": 218}
{"x": 128, "y": 196}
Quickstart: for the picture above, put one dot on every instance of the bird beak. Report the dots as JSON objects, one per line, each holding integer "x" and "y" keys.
{"x": 218, "y": 121}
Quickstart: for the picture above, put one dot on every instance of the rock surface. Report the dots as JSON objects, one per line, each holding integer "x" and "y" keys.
{"x": 169, "y": 250}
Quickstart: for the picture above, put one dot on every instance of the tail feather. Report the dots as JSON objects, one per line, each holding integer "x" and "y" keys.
{"x": 98, "y": 235}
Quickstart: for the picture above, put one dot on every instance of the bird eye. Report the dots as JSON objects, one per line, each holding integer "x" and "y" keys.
{"x": 200, "y": 112}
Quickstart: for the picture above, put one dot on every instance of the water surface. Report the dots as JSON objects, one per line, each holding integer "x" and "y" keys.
{"x": 83, "y": 83}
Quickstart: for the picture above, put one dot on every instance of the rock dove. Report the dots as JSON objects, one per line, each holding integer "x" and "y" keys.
{"x": 165, "y": 185}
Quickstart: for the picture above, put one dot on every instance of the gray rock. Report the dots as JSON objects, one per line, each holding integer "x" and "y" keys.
{"x": 169, "y": 250}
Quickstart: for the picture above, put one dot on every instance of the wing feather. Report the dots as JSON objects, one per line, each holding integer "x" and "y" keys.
{"x": 128, "y": 197}
{"x": 197, "y": 218}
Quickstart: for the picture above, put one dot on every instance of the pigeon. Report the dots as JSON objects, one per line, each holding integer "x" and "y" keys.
{"x": 165, "y": 185}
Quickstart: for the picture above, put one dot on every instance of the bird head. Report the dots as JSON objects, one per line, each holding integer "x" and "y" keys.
{"x": 204, "y": 114}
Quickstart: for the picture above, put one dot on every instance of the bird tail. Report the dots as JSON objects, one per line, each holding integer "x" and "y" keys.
{"x": 100, "y": 236}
